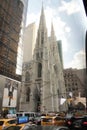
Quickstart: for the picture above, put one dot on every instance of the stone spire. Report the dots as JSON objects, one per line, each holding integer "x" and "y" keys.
{"x": 42, "y": 31}
{"x": 52, "y": 32}
{"x": 42, "y": 23}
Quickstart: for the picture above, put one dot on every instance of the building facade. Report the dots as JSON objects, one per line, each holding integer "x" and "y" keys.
{"x": 11, "y": 17}
{"x": 20, "y": 49}
{"x": 10, "y": 21}
{"x": 29, "y": 42}
{"x": 42, "y": 78}
{"x": 75, "y": 81}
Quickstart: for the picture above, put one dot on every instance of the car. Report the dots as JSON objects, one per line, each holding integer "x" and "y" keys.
{"x": 46, "y": 120}
{"x": 22, "y": 123}
{"x": 7, "y": 122}
{"x": 70, "y": 122}
{"x": 11, "y": 116}
{"x": 56, "y": 120}
{"x": 37, "y": 120}
{"x": 79, "y": 123}
{"x": 36, "y": 127}
{"x": 69, "y": 115}
{"x": 25, "y": 126}
{"x": 60, "y": 121}
{"x": 62, "y": 128}
{"x": 12, "y": 128}
{"x": 52, "y": 128}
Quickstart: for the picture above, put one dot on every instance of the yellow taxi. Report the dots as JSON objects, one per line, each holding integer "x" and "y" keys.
{"x": 22, "y": 123}
{"x": 78, "y": 114}
{"x": 25, "y": 126}
{"x": 48, "y": 120}
{"x": 60, "y": 121}
{"x": 7, "y": 122}
{"x": 62, "y": 114}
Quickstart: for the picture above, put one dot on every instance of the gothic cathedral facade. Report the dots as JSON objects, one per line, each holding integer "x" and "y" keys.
{"x": 42, "y": 79}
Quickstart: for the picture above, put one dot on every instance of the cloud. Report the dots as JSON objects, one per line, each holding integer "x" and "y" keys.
{"x": 78, "y": 61}
{"x": 70, "y": 7}
{"x": 60, "y": 26}
{"x": 33, "y": 17}
{"x": 64, "y": 44}
{"x": 51, "y": 14}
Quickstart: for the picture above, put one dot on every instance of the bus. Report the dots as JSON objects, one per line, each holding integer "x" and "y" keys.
{"x": 31, "y": 115}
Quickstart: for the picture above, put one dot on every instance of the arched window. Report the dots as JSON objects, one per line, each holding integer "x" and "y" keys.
{"x": 28, "y": 91}
{"x": 27, "y": 76}
{"x": 39, "y": 69}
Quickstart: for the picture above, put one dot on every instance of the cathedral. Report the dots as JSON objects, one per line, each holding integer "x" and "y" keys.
{"x": 42, "y": 78}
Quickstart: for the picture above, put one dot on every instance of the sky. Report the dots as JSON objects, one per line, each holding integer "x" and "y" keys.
{"x": 70, "y": 23}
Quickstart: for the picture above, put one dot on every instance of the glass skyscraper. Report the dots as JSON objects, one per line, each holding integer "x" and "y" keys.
{"x": 12, "y": 23}
{"x": 20, "y": 43}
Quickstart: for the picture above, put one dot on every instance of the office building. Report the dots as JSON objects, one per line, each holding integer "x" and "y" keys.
{"x": 11, "y": 19}
{"x": 59, "y": 43}
{"x": 75, "y": 81}
{"x": 29, "y": 42}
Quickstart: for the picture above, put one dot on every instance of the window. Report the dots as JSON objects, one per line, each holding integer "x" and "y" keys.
{"x": 47, "y": 119}
{"x": 12, "y": 121}
{"x": 39, "y": 69}
{"x": 18, "y": 115}
{"x": 37, "y": 56}
{"x": 1, "y": 123}
{"x": 27, "y": 76}
{"x": 27, "y": 94}
{"x": 13, "y": 128}
{"x": 57, "y": 118}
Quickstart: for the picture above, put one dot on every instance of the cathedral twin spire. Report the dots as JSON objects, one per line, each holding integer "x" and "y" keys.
{"x": 52, "y": 30}
{"x": 42, "y": 24}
